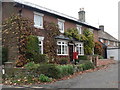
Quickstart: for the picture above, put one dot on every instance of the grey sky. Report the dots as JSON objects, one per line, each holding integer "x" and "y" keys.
{"x": 98, "y": 12}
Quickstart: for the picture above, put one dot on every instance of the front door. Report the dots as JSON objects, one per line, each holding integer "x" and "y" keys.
{"x": 71, "y": 52}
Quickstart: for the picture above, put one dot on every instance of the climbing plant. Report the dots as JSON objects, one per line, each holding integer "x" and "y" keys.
{"x": 89, "y": 43}
{"x": 50, "y": 45}
{"x": 86, "y": 37}
{"x": 73, "y": 33}
{"x": 15, "y": 31}
{"x": 98, "y": 48}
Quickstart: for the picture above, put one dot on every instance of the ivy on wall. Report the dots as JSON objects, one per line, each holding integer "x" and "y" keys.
{"x": 89, "y": 43}
{"x": 98, "y": 48}
{"x": 86, "y": 37}
{"x": 73, "y": 33}
{"x": 50, "y": 45}
{"x": 14, "y": 32}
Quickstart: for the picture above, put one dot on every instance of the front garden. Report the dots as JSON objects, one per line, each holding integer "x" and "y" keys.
{"x": 21, "y": 46}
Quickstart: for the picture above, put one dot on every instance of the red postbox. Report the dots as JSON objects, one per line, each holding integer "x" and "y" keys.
{"x": 75, "y": 55}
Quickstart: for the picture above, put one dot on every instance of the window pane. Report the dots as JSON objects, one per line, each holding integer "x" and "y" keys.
{"x": 63, "y": 49}
{"x": 60, "y": 24}
{"x": 59, "y": 49}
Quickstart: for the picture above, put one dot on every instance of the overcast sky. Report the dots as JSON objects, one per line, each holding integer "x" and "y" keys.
{"x": 98, "y": 12}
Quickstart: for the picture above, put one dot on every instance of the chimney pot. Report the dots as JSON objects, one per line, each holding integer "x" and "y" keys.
{"x": 81, "y": 15}
{"x": 101, "y": 27}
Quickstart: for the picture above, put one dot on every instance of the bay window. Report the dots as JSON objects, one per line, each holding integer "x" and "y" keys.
{"x": 62, "y": 48}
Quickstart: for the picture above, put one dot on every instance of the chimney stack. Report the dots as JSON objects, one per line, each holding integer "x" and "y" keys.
{"x": 81, "y": 15}
{"x": 101, "y": 27}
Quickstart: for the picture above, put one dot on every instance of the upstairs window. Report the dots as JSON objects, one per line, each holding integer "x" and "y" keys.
{"x": 79, "y": 29}
{"x": 61, "y": 25}
{"x": 38, "y": 20}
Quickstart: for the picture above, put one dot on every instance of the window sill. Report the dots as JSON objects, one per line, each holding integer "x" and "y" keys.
{"x": 62, "y": 54}
{"x": 39, "y": 27}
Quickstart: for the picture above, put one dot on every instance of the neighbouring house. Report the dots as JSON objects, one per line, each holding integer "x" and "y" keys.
{"x": 110, "y": 43}
{"x": 39, "y": 14}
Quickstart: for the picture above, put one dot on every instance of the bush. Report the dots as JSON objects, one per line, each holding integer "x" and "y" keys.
{"x": 87, "y": 65}
{"x": 4, "y": 55}
{"x": 63, "y": 60}
{"x": 44, "y": 78}
{"x": 31, "y": 65}
{"x": 100, "y": 57}
{"x": 84, "y": 57}
{"x": 66, "y": 70}
{"x": 50, "y": 70}
{"x": 32, "y": 47}
{"x": 40, "y": 58}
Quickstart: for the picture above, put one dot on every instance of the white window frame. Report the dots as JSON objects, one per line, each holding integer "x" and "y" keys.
{"x": 101, "y": 40}
{"x": 78, "y": 45}
{"x": 108, "y": 42}
{"x": 41, "y": 15}
{"x": 79, "y": 28}
{"x": 61, "y": 21}
{"x": 40, "y": 38}
{"x": 65, "y": 45}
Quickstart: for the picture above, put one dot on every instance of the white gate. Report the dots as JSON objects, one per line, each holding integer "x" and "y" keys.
{"x": 113, "y": 52}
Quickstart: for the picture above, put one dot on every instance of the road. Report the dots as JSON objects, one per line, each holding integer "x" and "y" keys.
{"x": 104, "y": 78}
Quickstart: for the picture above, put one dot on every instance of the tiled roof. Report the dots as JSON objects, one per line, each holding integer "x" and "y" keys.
{"x": 105, "y": 35}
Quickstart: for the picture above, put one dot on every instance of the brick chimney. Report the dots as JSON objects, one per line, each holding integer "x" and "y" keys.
{"x": 101, "y": 27}
{"x": 81, "y": 15}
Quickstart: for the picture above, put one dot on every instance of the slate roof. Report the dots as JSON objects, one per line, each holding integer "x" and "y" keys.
{"x": 107, "y": 36}
{"x": 53, "y": 12}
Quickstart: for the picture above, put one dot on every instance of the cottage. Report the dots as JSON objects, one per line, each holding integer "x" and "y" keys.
{"x": 39, "y": 14}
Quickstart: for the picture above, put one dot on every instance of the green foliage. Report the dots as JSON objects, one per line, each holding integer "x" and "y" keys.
{"x": 87, "y": 65}
{"x": 40, "y": 58}
{"x": 31, "y": 65}
{"x": 66, "y": 70}
{"x": 4, "y": 55}
{"x": 49, "y": 70}
{"x": 89, "y": 43}
{"x": 32, "y": 47}
{"x": 73, "y": 33}
{"x": 44, "y": 78}
{"x": 63, "y": 60}
{"x": 100, "y": 57}
{"x": 83, "y": 57}
{"x": 50, "y": 45}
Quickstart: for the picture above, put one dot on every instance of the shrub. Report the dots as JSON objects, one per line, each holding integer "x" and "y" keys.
{"x": 4, "y": 55}
{"x": 40, "y": 58}
{"x": 32, "y": 47}
{"x": 87, "y": 65}
{"x": 84, "y": 57}
{"x": 44, "y": 78}
{"x": 31, "y": 65}
{"x": 66, "y": 70}
{"x": 63, "y": 60}
{"x": 50, "y": 70}
{"x": 100, "y": 57}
